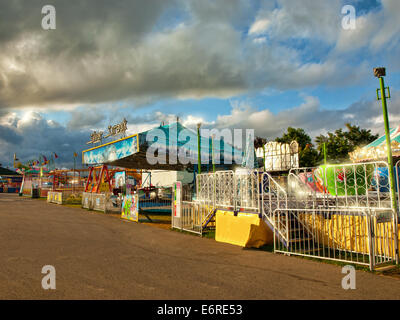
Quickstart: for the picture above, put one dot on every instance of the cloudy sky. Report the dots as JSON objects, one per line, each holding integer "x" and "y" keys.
{"x": 264, "y": 65}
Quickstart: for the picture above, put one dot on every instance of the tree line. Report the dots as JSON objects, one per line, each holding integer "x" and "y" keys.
{"x": 338, "y": 144}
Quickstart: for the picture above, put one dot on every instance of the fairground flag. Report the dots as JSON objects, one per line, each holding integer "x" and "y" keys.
{"x": 15, "y": 157}
{"x": 75, "y": 154}
{"x": 55, "y": 155}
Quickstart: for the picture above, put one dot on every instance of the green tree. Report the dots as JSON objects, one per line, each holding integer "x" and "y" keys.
{"x": 308, "y": 155}
{"x": 340, "y": 143}
{"x": 259, "y": 142}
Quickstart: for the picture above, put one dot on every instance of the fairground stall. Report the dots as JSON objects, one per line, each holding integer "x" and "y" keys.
{"x": 340, "y": 212}
{"x": 105, "y": 187}
{"x": 10, "y": 181}
{"x": 155, "y": 149}
{"x": 67, "y": 186}
{"x": 36, "y": 183}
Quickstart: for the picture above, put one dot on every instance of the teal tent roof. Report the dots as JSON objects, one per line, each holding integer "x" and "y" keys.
{"x": 394, "y": 136}
{"x": 144, "y": 150}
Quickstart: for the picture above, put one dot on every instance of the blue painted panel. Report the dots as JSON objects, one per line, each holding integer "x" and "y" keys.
{"x": 111, "y": 151}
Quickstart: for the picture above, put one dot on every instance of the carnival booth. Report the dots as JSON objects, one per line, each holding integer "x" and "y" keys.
{"x": 159, "y": 149}
{"x": 10, "y": 181}
{"x": 36, "y": 183}
{"x": 67, "y": 186}
{"x": 104, "y": 188}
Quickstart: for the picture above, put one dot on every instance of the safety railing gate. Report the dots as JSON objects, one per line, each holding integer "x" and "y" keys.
{"x": 367, "y": 236}
{"x": 363, "y": 185}
{"x": 230, "y": 190}
{"x": 156, "y": 201}
{"x": 397, "y": 184}
{"x": 192, "y": 216}
{"x": 273, "y": 196}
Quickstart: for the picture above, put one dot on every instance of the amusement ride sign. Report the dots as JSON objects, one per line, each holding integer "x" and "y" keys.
{"x": 97, "y": 136}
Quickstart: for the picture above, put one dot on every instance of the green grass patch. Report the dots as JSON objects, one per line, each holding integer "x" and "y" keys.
{"x": 209, "y": 234}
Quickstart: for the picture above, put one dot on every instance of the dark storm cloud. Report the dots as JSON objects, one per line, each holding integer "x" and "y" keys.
{"x": 132, "y": 49}
{"x": 8, "y": 135}
{"x": 137, "y": 50}
{"x": 34, "y": 136}
{"x": 87, "y": 118}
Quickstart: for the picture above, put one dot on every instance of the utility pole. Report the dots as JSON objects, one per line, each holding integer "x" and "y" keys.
{"x": 198, "y": 149}
{"x": 212, "y": 153}
{"x": 73, "y": 180}
{"x": 380, "y": 73}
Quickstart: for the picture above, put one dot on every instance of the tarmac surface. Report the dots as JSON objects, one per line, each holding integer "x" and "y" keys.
{"x": 97, "y": 256}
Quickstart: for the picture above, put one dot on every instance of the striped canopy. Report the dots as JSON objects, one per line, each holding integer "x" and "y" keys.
{"x": 394, "y": 136}
{"x": 377, "y": 150}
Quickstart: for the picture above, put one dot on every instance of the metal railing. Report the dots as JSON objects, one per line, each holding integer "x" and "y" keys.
{"x": 339, "y": 212}
{"x": 365, "y": 236}
{"x": 193, "y": 216}
{"x": 342, "y": 185}
{"x": 95, "y": 201}
{"x": 157, "y": 200}
{"x": 230, "y": 190}
{"x": 397, "y": 184}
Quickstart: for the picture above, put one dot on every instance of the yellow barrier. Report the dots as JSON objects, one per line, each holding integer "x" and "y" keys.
{"x": 245, "y": 230}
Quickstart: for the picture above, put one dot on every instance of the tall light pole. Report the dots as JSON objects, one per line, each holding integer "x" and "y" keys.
{"x": 198, "y": 149}
{"x": 212, "y": 153}
{"x": 380, "y": 73}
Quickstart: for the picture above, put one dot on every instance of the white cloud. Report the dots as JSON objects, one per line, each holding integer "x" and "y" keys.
{"x": 300, "y": 19}
{"x": 373, "y": 30}
{"x": 260, "y": 40}
{"x": 310, "y": 115}
{"x": 259, "y": 26}
{"x": 202, "y": 53}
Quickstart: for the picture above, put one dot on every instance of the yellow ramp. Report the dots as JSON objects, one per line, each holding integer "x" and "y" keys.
{"x": 245, "y": 230}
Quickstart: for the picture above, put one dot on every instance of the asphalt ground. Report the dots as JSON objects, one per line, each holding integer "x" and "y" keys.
{"x": 97, "y": 256}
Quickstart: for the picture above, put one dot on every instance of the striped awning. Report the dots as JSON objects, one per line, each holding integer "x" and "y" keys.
{"x": 377, "y": 150}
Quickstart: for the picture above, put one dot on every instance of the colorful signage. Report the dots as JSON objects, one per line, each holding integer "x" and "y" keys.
{"x": 112, "y": 151}
{"x": 130, "y": 207}
{"x": 98, "y": 136}
{"x": 119, "y": 179}
{"x": 177, "y": 199}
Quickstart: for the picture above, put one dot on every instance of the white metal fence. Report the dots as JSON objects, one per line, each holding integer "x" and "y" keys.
{"x": 193, "y": 216}
{"x": 397, "y": 183}
{"x": 362, "y": 236}
{"x": 339, "y": 212}
{"x": 230, "y": 190}
{"x": 94, "y": 201}
{"x": 343, "y": 185}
